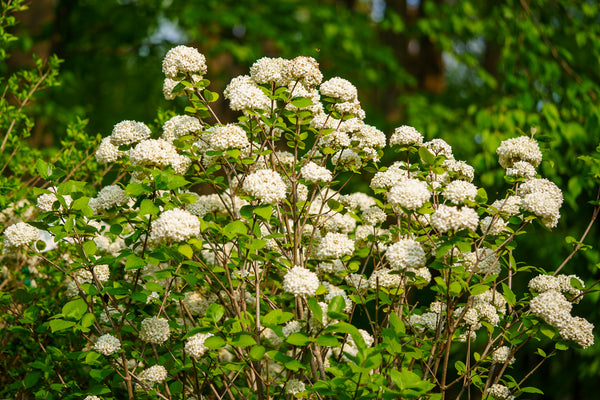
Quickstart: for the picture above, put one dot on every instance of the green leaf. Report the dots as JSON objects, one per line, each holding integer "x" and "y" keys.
{"x": 301, "y": 102}
{"x": 186, "y": 250}
{"x": 148, "y": 207}
{"x": 264, "y": 212}
{"x": 298, "y": 339}
{"x": 315, "y": 308}
{"x": 426, "y": 156}
{"x": 168, "y": 181}
{"x": 89, "y": 247}
{"x": 509, "y": 295}
{"x": 531, "y": 389}
{"x": 134, "y": 262}
{"x": 243, "y": 340}
{"x": 215, "y": 312}
{"x": 82, "y": 204}
{"x": 88, "y": 320}
{"x": 406, "y": 379}
{"x": 336, "y": 305}
{"x": 235, "y": 228}
{"x": 256, "y": 352}
{"x": 576, "y": 284}
{"x": 327, "y": 341}
{"x": 455, "y": 288}
{"x": 215, "y": 342}
{"x": 74, "y": 309}
{"x": 57, "y": 325}
{"x": 276, "y": 317}
{"x": 135, "y": 189}
{"x": 478, "y": 289}
{"x": 210, "y": 96}
{"x": 397, "y": 325}
{"x": 32, "y": 378}
{"x": 43, "y": 168}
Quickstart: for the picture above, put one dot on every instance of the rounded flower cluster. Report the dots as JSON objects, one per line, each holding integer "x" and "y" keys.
{"x": 542, "y": 198}
{"x": 461, "y": 169}
{"x": 266, "y": 185}
{"x": 580, "y": 331}
{"x": 458, "y": 192}
{"x": 406, "y": 253}
{"x": 522, "y": 148}
{"x": 293, "y": 326}
{"x": 406, "y": 136}
{"x": 159, "y": 153}
{"x": 229, "y": 136}
{"x": 294, "y": 386}
{"x": 244, "y": 94}
{"x": 107, "y": 344}
{"x": 383, "y": 278}
{"x": 521, "y": 169}
{"x": 340, "y": 89}
{"x": 483, "y": 261}
{"x": 335, "y": 245}
{"x": 313, "y": 173}
{"x": 20, "y": 234}
{"x": 439, "y": 147}
{"x": 155, "y": 330}
{"x": 492, "y": 226}
{"x": 269, "y": 70}
{"x": 553, "y": 307}
{"x": 300, "y": 281}
{"x": 92, "y": 398}
{"x": 499, "y": 392}
{"x": 508, "y": 207}
{"x": 154, "y": 374}
{"x": 183, "y": 60}
{"x": 449, "y": 218}
{"x": 396, "y": 173}
{"x": 195, "y": 345}
{"x": 108, "y": 152}
{"x": 110, "y": 196}
{"x": 129, "y": 132}
{"x": 175, "y": 225}
{"x": 304, "y": 69}
{"x": 369, "y": 139}
{"x": 180, "y": 125}
{"x": 373, "y": 216}
{"x": 410, "y": 194}
{"x": 500, "y": 355}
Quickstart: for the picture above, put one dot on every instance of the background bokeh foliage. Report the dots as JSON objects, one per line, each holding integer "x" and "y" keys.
{"x": 471, "y": 72}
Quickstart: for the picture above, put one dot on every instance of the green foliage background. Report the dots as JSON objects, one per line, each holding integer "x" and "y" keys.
{"x": 471, "y": 72}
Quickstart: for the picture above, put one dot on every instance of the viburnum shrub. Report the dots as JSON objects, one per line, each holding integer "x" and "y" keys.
{"x": 231, "y": 260}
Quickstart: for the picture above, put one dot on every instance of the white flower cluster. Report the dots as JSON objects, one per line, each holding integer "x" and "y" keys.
{"x": 449, "y": 218}
{"x": 501, "y": 354}
{"x": 108, "y": 152}
{"x": 383, "y": 278}
{"x": 294, "y": 386}
{"x": 483, "y": 261}
{"x": 493, "y": 226}
{"x": 439, "y": 147}
{"x": 314, "y": 173}
{"x": 20, "y": 234}
{"x": 542, "y": 198}
{"x": 158, "y": 153}
{"x": 335, "y": 245}
{"x": 154, "y": 374}
{"x": 339, "y": 89}
{"x": 406, "y": 253}
{"x": 410, "y": 194}
{"x": 110, "y": 196}
{"x": 499, "y": 392}
{"x": 300, "y": 281}
{"x": 392, "y": 176}
{"x": 244, "y": 94}
{"x": 174, "y": 225}
{"x": 155, "y": 330}
{"x": 195, "y": 345}
{"x": 521, "y": 148}
{"x": 129, "y": 132}
{"x": 561, "y": 283}
{"x": 180, "y": 125}
{"x": 266, "y": 185}
{"x": 521, "y": 169}
{"x": 460, "y": 169}
{"x": 268, "y": 70}
{"x": 230, "y": 136}
{"x": 406, "y": 136}
{"x": 304, "y": 69}
{"x": 458, "y": 192}
{"x": 107, "y": 344}
{"x": 183, "y": 60}
{"x": 45, "y": 201}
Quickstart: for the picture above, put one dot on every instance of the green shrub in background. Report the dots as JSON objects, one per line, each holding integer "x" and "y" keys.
{"x": 231, "y": 260}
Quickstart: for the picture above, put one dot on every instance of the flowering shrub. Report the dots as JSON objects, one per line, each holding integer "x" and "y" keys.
{"x": 229, "y": 259}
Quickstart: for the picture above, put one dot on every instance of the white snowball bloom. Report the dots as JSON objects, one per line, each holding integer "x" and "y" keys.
{"x": 305, "y": 70}
{"x": 521, "y": 169}
{"x": 493, "y": 226}
{"x": 553, "y": 307}
{"x": 501, "y": 354}
{"x": 499, "y": 392}
{"x": 108, "y": 197}
{"x": 358, "y": 200}
{"x": 346, "y": 159}
{"x": 244, "y": 94}
{"x": 293, "y": 326}
{"x": 509, "y": 206}
{"x": 521, "y": 148}
{"x": 447, "y": 218}
{"x": 129, "y": 132}
{"x": 406, "y": 136}
{"x": 20, "y": 234}
{"x": 155, "y": 330}
{"x": 458, "y": 192}
{"x": 180, "y": 125}
{"x": 357, "y": 281}
{"x": 406, "y": 253}
{"x": 107, "y": 344}
{"x": 269, "y": 70}
{"x": 369, "y": 140}
{"x": 462, "y": 170}
{"x": 154, "y": 374}
{"x": 340, "y": 89}
{"x": 314, "y": 173}
{"x": 337, "y": 222}
{"x": 108, "y": 152}
{"x": 266, "y": 185}
{"x": 390, "y": 177}
{"x": 410, "y": 194}
{"x": 542, "y": 198}
{"x": 373, "y": 216}
{"x": 230, "y": 136}
{"x": 335, "y": 245}
{"x": 294, "y": 386}
{"x": 195, "y": 347}
{"x": 174, "y": 225}
{"x": 482, "y": 262}
{"x": 384, "y": 278}
{"x": 439, "y": 147}
{"x": 578, "y": 330}
{"x": 543, "y": 283}
{"x": 300, "y": 281}
{"x": 183, "y": 60}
